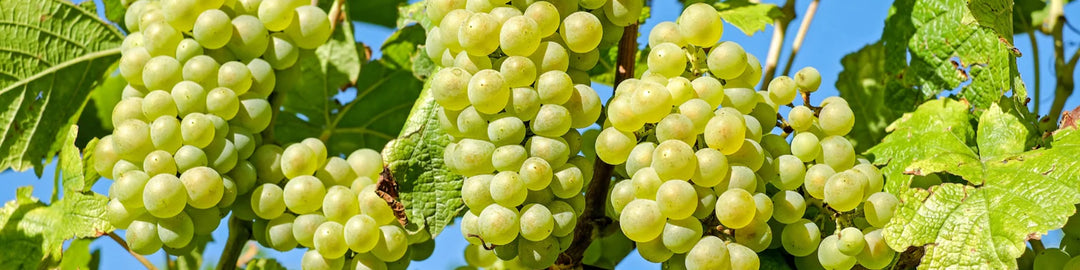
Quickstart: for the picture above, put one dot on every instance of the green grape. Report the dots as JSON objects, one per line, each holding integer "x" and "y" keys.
{"x": 373, "y": 205}
{"x": 164, "y": 196}
{"x": 726, "y": 131}
{"x": 879, "y": 208}
{"x": 876, "y": 254}
{"x": 874, "y": 179}
{"x": 437, "y": 9}
{"x": 727, "y": 60}
{"x": 478, "y": 256}
{"x": 554, "y": 150}
{"x": 757, "y": 236}
{"x": 554, "y": 87}
{"x": 488, "y": 92}
{"x": 507, "y": 189}
{"x": 788, "y": 206}
{"x": 807, "y": 79}
{"x": 751, "y": 76}
{"x": 677, "y": 199}
{"x": 128, "y": 109}
{"x": 742, "y": 257}
{"x": 850, "y": 241}
{"x": 230, "y": 191}
{"x": 476, "y": 32}
{"x": 801, "y": 238}
{"x": 474, "y": 156}
{"x": 449, "y": 87}
{"x": 142, "y": 236}
{"x": 646, "y": 183}
{"x": 212, "y": 29}
{"x": 336, "y": 172}
{"x": 244, "y": 176}
{"x": 277, "y": 14}
{"x": 764, "y": 208}
{"x": 472, "y": 63}
{"x": 304, "y": 226}
{"x": 735, "y": 208}
{"x": 204, "y": 187}
{"x": 1051, "y": 258}
{"x": 538, "y": 254}
{"x": 500, "y": 224}
{"x": 480, "y": 6}
{"x": 189, "y": 98}
{"x": 135, "y": 11}
{"x": 263, "y": 79}
{"x": 282, "y": 52}
{"x": 546, "y": 17}
{"x": 279, "y": 232}
{"x": 622, "y": 116}
{"x": 581, "y": 31}
{"x": 536, "y": 222}
{"x": 750, "y": 154}
{"x": 162, "y": 72}
{"x": 801, "y": 118}
{"x": 181, "y": 13}
{"x": 584, "y": 61}
{"x": 339, "y": 204}
{"x": 366, "y": 261}
{"x": 449, "y": 28}
{"x": 472, "y": 124}
{"x": 267, "y": 201}
{"x": 187, "y": 49}
{"x": 640, "y": 157}
{"x": 565, "y": 218}
{"x": 250, "y": 38}
{"x": 298, "y": 160}
{"x": 303, "y": 194}
{"x": 551, "y": 121}
{"x": 624, "y": 12}
{"x": 161, "y": 39}
{"x": 667, "y": 59}
{"x": 841, "y": 154}
{"x": 123, "y": 166}
{"x": 836, "y": 119}
{"x": 128, "y": 188}
{"x": 831, "y": 257}
{"x": 641, "y": 220}
{"x": 652, "y": 100}
{"x": 205, "y": 220}
{"x": 742, "y": 99}
{"x": 567, "y": 182}
{"x": 676, "y": 127}
{"x": 706, "y": 202}
{"x": 310, "y": 28}
{"x": 197, "y": 130}
{"x": 792, "y": 172}
{"x": 782, "y": 90}
{"x": 188, "y": 157}
{"x": 121, "y": 215}
{"x": 221, "y": 127}
{"x": 667, "y": 32}
{"x": 655, "y": 251}
{"x": 622, "y": 192}
{"x": 151, "y": 16}
{"x": 235, "y": 76}
{"x": 680, "y": 235}
{"x": 805, "y": 146}
{"x": 753, "y": 128}
{"x": 573, "y": 141}
{"x": 313, "y": 260}
{"x": 267, "y": 162}
{"x": 535, "y": 173}
{"x": 550, "y": 56}
{"x": 329, "y": 240}
{"x": 518, "y": 71}
{"x": 222, "y": 102}
{"x": 361, "y": 233}
{"x": 158, "y": 103}
{"x": 710, "y": 90}
{"x": 366, "y": 162}
{"x": 816, "y": 177}
{"x": 698, "y": 111}
{"x": 709, "y": 253}
{"x": 844, "y": 191}
{"x": 682, "y": 90}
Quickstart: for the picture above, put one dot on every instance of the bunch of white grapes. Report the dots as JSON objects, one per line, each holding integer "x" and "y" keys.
{"x": 1065, "y": 256}
{"x": 513, "y": 90}
{"x": 709, "y": 186}
{"x": 199, "y": 73}
{"x": 327, "y": 204}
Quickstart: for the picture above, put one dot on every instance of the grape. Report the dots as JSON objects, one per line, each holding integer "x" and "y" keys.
{"x": 850, "y": 241}
{"x": 229, "y": 193}
{"x": 181, "y": 13}
{"x": 121, "y": 215}
{"x": 706, "y": 202}
{"x": 161, "y": 39}
{"x": 726, "y": 131}
{"x": 190, "y": 97}
{"x": 550, "y": 56}
{"x": 373, "y": 205}
{"x": 735, "y": 208}
{"x": 801, "y": 237}
{"x": 624, "y": 12}
{"x": 263, "y": 79}
{"x": 517, "y": 71}
{"x": 792, "y": 172}
{"x": 474, "y": 156}
{"x": 297, "y": 160}
{"x": 304, "y": 227}
{"x": 879, "y": 208}
{"x": 449, "y": 88}
{"x": 807, "y": 79}
{"x": 876, "y": 254}
{"x": 709, "y": 253}
{"x": 836, "y": 119}
{"x": 162, "y": 72}
{"x": 479, "y": 6}
{"x": 507, "y": 189}
{"x": 339, "y": 204}
{"x": 313, "y": 260}
{"x": 478, "y": 256}
{"x": 742, "y": 99}
{"x": 204, "y": 187}
{"x": 538, "y": 254}
{"x": 164, "y": 196}
{"x": 536, "y": 222}
{"x": 188, "y": 157}
{"x": 366, "y": 261}
{"x": 158, "y": 103}
{"x": 622, "y": 115}
{"x": 680, "y": 235}
{"x": 764, "y": 208}
{"x": 545, "y": 15}
{"x": 646, "y": 183}
{"x": 235, "y": 76}
{"x": 666, "y": 32}
{"x": 267, "y": 201}
{"x": 874, "y": 179}
{"x": 551, "y": 121}
{"x": 436, "y": 10}
{"x": 329, "y": 240}
{"x": 831, "y": 257}
{"x": 742, "y": 257}
{"x": 488, "y": 92}
{"x": 655, "y": 251}
{"x": 652, "y": 101}
{"x": 641, "y": 220}
{"x": 667, "y": 59}
{"x": 844, "y": 191}
{"x": 805, "y": 146}
{"x": 472, "y": 124}
{"x": 788, "y": 206}
{"x": 757, "y": 236}
{"x": 554, "y": 150}
{"x": 677, "y": 199}
{"x": 581, "y": 31}
{"x": 128, "y": 188}
{"x": 584, "y": 106}
{"x": 267, "y": 162}
{"x": 303, "y": 194}
{"x": 282, "y": 52}
{"x": 750, "y": 154}
{"x": 816, "y": 177}
{"x": 392, "y": 245}
{"x": 676, "y": 127}
{"x": 197, "y": 130}
{"x": 366, "y": 162}
{"x": 310, "y": 28}
{"x": 279, "y": 232}
{"x": 567, "y": 182}
{"x": 500, "y": 224}
{"x": 142, "y": 236}
{"x": 187, "y": 49}
{"x": 476, "y": 32}
{"x": 249, "y": 38}
{"x": 640, "y": 157}
{"x": 123, "y": 166}
{"x": 782, "y": 90}
{"x": 554, "y": 87}
{"x": 277, "y": 14}
{"x": 128, "y": 109}
{"x": 450, "y": 26}
{"x": 336, "y": 172}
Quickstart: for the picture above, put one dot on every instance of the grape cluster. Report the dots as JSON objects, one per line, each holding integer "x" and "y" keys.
{"x": 708, "y": 188}
{"x": 513, "y": 90}
{"x": 1061, "y": 257}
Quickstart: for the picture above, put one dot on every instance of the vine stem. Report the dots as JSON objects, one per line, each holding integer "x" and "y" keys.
{"x": 1064, "y": 70}
{"x": 238, "y": 236}
{"x": 777, "y": 44}
{"x": 138, "y": 257}
{"x": 594, "y": 219}
{"x": 1037, "y": 245}
{"x": 335, "y": 13}
{"x": 801, "y": 35}
{"x": 1035, "y": 64}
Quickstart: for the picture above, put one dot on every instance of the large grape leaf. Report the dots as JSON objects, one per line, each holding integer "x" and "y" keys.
{"x": 53, "y": 53}
{"x": 940, "y": 127}
{"x": 379, "y": 12}
{"x": 34, "y": 233}
{"x": 748, "y": 16}
{"x": 96, "y": 118}
{"x": 430, "y": 192}
{"x": 863, "y": 84}
{"x": 939, "y": 45}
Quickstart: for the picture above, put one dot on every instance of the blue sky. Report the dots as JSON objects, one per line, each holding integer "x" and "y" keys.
{"x": 839, "y": 28}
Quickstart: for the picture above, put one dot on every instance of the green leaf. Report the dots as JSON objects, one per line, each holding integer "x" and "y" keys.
{"x": 53, "y": 53}
{"x": 773, "y": 259}
{"x": 950, "y": 43}
{"x": 379, "y": 12}
{"x": 430, "y": 192}
{"x": 73, "y": 167}
{"x": 34, "y": 233}
{"x": 413, "y": 13}
{"x": 193, "y": 260}
{"x": 938, "y": 127}
{"x": 1000, "y": 134}
{"x": 114, "y": 11}
{"x": 863, "y": 84}
{"x": 400, "y": 48}
{"x": 79, "y": 256}
{"x": 604, "y": 71}
{"x": 748, "y": 17}
{"x": 606, "y": 252}
{"x": 265, "y": 264}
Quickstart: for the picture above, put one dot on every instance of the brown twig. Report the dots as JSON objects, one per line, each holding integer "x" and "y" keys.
{"x": 594, "y": 218}
{"x": 777, "y": 44}
{"x": 238, "y": 237}
{"x": 138, "y": 257}
{"x": 801, "y": 35}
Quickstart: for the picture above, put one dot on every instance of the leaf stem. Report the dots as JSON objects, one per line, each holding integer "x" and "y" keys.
{"x": 1037, "y": 245}
{"x": 777, "y": 44}
{"x": 594, "y": 219}
{"x": 238, "y": 236}
{"x": 1035, "y": 63}
{"x": 801, "y": 35}
{"x": 138, "y": 257}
